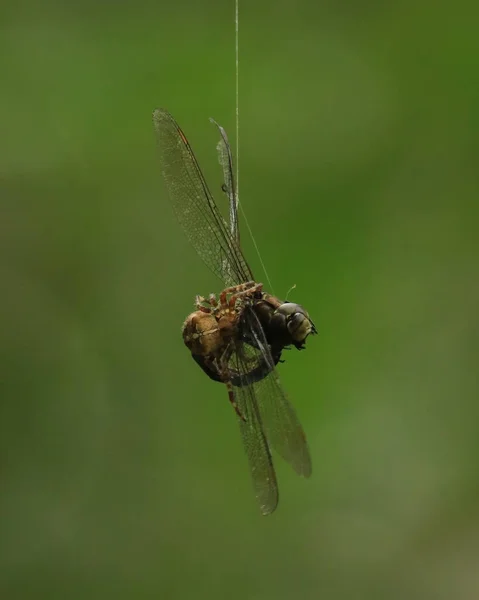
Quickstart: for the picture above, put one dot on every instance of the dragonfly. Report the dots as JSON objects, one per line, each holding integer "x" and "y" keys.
{"x": 237, "y": 338}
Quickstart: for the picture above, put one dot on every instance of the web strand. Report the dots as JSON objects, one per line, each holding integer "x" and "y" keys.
{"x": 237, "y": 93}
{"x": 237, "y": 146}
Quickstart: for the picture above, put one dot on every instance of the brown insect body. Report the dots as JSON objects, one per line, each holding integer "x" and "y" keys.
{"x": 238, "y": 338}
{"x": 208, "y": 331}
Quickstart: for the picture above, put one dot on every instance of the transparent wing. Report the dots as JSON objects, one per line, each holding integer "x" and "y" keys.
{"x": 225, "y": 159}
{"x": 194, "y": 205}
{"x": 280, "y": 423}
{"x": 257, "y": 450}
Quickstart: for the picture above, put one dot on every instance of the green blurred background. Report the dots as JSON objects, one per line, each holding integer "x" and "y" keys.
{"x": 122, "y": 472}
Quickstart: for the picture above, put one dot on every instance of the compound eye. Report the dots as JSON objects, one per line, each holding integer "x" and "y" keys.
{"x": 295, "y": 321}
{"x": 288, "y": 309}
{"x": 299, "y": 327}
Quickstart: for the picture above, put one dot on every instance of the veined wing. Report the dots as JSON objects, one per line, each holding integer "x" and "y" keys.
{"x": 257, "y": 449}
{"x": 279, "y": 420}
{"x": 194, "y": 205}
{"x": 225, "y": 159}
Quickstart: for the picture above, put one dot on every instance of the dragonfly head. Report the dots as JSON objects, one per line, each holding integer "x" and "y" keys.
{"x": 297, "y": 322}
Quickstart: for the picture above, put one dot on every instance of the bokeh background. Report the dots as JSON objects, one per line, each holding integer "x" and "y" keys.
{"x": 122, "y": 472}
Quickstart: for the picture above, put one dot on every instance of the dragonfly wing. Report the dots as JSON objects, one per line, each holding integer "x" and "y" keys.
{"x": 280, "y": 422}
{"x": 225, "y": 159}
{"x": 194, "y": 205}
{"x": 255, "y": 444}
